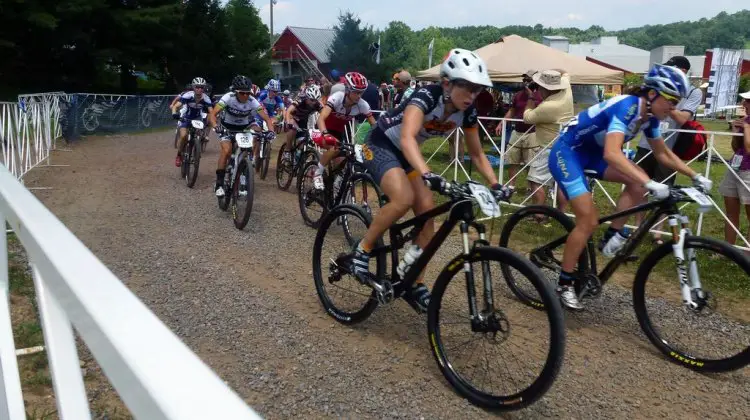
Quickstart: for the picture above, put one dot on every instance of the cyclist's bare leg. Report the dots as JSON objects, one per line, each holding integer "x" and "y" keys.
{"x": 224, "y": 152}
{"x": 587, "y": 219}
{"x": 289, "y": 137}
{"x": 183, "y": 139}
{"x": 328, "y": 156}
{"x": 423, "y": 202}
{"x": 632, "y": 195}
{"x": 396, "y": 186}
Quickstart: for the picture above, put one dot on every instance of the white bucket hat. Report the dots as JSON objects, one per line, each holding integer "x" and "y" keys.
{"x": 550, "y": 80}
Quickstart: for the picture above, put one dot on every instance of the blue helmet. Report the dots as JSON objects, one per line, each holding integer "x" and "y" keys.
{"x": 273, "y": 85}
{"x": 335, "y": 74}
{"x": 667, "y": 79}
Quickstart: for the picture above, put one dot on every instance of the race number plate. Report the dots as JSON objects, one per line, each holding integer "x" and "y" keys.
{"x": 485, "y": 199}
{"x": 244, "y": 140}
{"x": 197, "y": 124}
{"x": 704, "y": 203}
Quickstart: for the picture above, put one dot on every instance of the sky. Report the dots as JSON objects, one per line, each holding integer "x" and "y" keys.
{"x": 612, "y": 15}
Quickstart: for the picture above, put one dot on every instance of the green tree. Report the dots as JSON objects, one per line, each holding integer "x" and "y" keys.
{"x": 350, "y": 48}
{"x": 398, "y": 50}
{"x": 250, "y": 41}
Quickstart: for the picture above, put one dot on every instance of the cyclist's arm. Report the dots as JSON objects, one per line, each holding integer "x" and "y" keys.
{"x": 666, "y": 157}
{"x": 616, "y": 158}
{"x": 325, "y": 113}
{"x": 289, "y": 114}
{"x": 471, "y": 136}
{"x": 212, "y": 114}
{"x": 412, "y": 123}
{"x": 263, "y": 114}
{"x": 371, "y": 120}
{"x": 176, "y": 104}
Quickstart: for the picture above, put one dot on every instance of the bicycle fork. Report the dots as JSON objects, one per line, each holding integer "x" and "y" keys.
{"x": 690, "y": 283}
{"x": 478, "y": 319}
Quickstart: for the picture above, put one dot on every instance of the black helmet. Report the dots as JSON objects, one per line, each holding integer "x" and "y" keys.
{"x": 241, "y": 82}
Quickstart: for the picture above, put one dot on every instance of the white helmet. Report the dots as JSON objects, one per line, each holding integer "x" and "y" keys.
{"x": 312, "y": 92}
{"x": 199, "y": 81}
{"x": 273, "y": 85}
{"x": 465, "y": 65}
{"x": 286, "y": 93}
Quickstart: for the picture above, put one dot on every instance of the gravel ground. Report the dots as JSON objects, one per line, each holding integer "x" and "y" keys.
{"x": 246, "y": 303}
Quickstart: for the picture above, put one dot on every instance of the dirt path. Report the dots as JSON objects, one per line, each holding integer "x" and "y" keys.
{"x": 246, "y": 303}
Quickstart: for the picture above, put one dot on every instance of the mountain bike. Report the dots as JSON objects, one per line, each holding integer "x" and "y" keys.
{"x": 345, "y": 183}
{"x": 191, "y": 153}
{"x": 303, "y": 151}
{"x": 264, "y": 155}
{"x": 239, "y": 178}
{"x": 487, "y": 317}
{"x": 697, "y": 299}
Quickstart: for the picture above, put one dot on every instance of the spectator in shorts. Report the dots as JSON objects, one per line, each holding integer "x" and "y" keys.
{"x": 731, "y": 187}
{"x": 523, "y": 145}
{"x": 556, "y": 108}
{"x": 682, "y": 113}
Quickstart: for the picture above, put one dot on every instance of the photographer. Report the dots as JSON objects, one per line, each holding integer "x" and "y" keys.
{"x": 523, "y": 137}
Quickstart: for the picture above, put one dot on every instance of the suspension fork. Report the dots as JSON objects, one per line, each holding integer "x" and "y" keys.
{"x": 471, "y": 293}
{"x": 687, "y": 266}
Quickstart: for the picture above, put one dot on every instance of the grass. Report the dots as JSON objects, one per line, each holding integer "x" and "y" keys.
{"x": 36, "y": 381}
{"x": 712, "y": 224}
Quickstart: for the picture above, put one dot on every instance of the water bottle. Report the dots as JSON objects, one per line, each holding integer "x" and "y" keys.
{"x": 616, "y": 243}
{"x": 411, "y": 255}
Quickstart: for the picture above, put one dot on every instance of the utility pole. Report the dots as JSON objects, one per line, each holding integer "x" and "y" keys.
{"x": 272, "y": 3}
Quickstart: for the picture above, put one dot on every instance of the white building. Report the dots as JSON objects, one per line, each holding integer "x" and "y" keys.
{"x": 608, "y": 51}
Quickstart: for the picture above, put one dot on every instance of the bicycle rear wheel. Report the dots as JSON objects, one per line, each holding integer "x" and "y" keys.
{"x": 526, "y": 232}
{"x": 242, "y": 193}
{"x": 715, "y": 336}
{"x": 537, "y": 338}
{"x": 331, "y": 245}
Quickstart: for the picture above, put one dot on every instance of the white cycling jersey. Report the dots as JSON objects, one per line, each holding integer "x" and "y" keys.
{"x": 236, "y": 112}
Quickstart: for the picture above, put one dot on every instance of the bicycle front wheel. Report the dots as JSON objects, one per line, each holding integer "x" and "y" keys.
{"x": 505, "y": 356}
{"x": 194, "y": 161}
{"x": 715, "y": 335}
{"x": 284, "y": 169}
{"x": 243, "y": 190}
{"x": 312, "y": 202}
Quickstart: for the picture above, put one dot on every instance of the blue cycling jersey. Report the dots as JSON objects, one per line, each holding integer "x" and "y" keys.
{"x": 616, "y": 115}
{"x": 194, "y": 106}
{"x": 271, "y": 104}
{"x": 581, "y": 142}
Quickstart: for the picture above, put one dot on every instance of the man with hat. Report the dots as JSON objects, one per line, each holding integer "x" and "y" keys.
{"x": 523, "y": 145}
{"x": 682, "y": 113}
{"x": 556, "y": 108}
{"x": 402, "y": 83}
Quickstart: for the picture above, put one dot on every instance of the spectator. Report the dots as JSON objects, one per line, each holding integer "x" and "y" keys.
{"x": 371, "y": 96}
{"x": 385, "y": 97}
{"x": 556, "y": 108}
{"x": 683, "y": 112}
{"x": 523, "y": 145}
{"x": 402, "y": 83}
{"x": 734, "y": 186}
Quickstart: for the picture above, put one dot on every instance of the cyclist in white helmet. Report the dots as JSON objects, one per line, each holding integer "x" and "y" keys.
{"x": 393, "y": 157}
{"x": 298, "y": 113}
{"x": 195, "y": 102}
{"x": 593, "y": 140}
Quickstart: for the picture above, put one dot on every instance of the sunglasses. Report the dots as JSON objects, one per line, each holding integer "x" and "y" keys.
{"x": 242, "y": 92}
{"x": 672, "y": 99}
{"x": 471, "y": 87}
{"x": 199, "y": 87}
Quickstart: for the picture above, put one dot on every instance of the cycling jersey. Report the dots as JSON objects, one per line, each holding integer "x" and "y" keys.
{"x": 237, "y": 113}
{"x": 339, "y": 116}
{"x": 271, "y": 104}
{"x": 580, "y": 145}
{"x": 430, "y": 100}
{"x": 302, "y": 110}
{"x": 195, "y": 106}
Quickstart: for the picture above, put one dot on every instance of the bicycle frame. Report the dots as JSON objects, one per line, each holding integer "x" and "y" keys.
{"x": 659, "y": 208}
{"x": 461, "y": 212}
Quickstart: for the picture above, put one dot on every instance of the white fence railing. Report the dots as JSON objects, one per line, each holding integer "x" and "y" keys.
{"x": 154, "y": 373}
